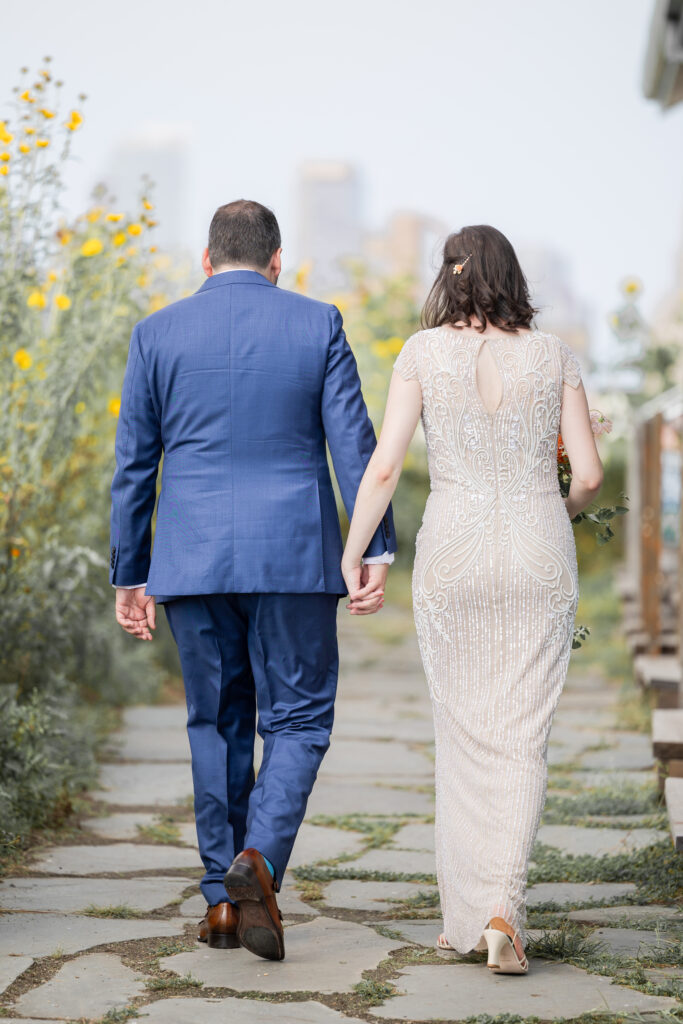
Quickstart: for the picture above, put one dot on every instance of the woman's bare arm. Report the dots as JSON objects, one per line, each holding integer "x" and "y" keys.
{"x": 404, "y": 404}
{"x": 579, "y": 444}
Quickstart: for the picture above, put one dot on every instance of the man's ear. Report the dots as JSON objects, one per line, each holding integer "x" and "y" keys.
{"x": 206, "y": 263}
{"x": 276, "y": 264}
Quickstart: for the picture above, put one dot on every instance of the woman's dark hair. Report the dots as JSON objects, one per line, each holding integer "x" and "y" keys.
{"x": 491, "y": 285}
{"x": 244, "y": 233}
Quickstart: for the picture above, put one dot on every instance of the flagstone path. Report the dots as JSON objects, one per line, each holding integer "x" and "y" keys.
{"x": 102, "y": 928}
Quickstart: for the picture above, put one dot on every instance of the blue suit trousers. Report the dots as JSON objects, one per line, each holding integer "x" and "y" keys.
{"x": 275, "y": 654}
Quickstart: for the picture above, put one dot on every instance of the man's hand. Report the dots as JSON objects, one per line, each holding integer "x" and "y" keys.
{"x": 136, "y": 612}
{"x": 366, "y": 587}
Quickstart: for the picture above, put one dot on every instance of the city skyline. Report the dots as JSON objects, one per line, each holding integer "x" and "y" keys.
{"x": 539, "y": 128}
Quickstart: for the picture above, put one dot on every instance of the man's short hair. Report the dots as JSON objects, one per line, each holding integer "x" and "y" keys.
{"x": 243, "y": 232}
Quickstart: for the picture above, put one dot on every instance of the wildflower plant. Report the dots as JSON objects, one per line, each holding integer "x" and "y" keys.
{"x": 70, "y": 291}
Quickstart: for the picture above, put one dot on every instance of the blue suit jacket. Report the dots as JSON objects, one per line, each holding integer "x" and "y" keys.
{"x": 240, "y": 386}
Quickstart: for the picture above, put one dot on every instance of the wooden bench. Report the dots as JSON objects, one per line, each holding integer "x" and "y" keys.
{"x": 667, "y": 742}
{"x": 660, "y": 674}
{"x": 639, "y": 643}
{"x": 673, "y": 791}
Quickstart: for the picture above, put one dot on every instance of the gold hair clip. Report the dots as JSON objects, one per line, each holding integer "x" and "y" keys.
{"x": 457, "y": 269}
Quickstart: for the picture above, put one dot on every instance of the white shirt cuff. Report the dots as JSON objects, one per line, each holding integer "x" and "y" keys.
{"x": 385, "y": 559}
{"x": 135, "y": 586}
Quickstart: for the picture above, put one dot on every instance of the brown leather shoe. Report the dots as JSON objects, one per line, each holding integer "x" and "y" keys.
{"x": 218, "y": 927}
{"x": 250, "y": 884}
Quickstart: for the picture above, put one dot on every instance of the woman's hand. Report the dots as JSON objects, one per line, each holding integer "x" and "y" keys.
{"x": 365, "y": 584}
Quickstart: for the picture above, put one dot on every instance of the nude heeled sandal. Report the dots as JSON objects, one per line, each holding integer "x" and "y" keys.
{"x": 503, "y": 957}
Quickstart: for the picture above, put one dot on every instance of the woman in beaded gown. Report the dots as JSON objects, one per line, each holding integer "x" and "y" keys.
{"x": 495, "y": 584}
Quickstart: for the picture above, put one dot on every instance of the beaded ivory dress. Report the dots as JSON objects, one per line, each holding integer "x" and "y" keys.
{"x": 495, "y": 590}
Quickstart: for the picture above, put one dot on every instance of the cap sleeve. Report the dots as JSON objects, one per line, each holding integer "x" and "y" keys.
{"x": 571, "y": 368}
{"x": 406, "y": 363}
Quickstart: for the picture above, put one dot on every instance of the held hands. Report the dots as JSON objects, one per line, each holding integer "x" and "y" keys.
{"x": 136, "y": 612}
{"x": 366, "y": 587}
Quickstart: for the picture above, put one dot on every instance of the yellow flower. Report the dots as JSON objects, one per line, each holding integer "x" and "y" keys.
{"x": 131, "y": 250}
{"x": 52, "y": 276}
{"x": 341, "y": 302}
{"x": 135, "y": 229}
{"x": 79, "y": 408}
{"x": 64, "y": 236}
{"x": 152, "y": 248}
{"x": 114, "y": 406}
{"x": 120, "y": 261}
{"x": 36, "y": 299}
{"x": 62, "y": 301}
{"x": 23, "y": 148}
{"x": 4, "y": 169}
{"x": 114, "y": 217}
{"x": 4, "y": 134}
{"x": 152, "y": 223}
{"x": 29, "y": 131}
{"x": 119, "y": 238}
{"x": 42, "y": 143}
{"x": 75, "y": 121}
{"x": 394, "y": 345}
{"x": 302, "y": 273}
{"x": 91, "y": 247}
{"x": 157, "y": 302}
{"x": 23, "y": 359}
{"x": 632, "y": 286}
{"x": 143, "y": 280}
{"x": 26, "y": 96}
{"x": 147, "y": 205}
{"x": 94, "y": 214}
{"x": 5, "y": 156}
{"x": 47, "y": 114}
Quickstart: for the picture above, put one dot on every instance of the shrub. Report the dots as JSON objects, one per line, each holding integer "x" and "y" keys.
{"x": 69, "y": 295}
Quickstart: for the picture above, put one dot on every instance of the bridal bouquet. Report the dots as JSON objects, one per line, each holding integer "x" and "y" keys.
{"x": 599, "y": 515}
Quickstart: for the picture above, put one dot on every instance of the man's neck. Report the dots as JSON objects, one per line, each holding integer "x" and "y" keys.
{"x": 225, "y": 267}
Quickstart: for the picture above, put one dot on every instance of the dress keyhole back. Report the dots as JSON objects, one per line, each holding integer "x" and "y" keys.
{"x": 488, "y": 381}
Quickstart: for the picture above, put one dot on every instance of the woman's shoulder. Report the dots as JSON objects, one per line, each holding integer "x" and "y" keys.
{"x": 568, "y": 361}
{"x": 409, "y": 358}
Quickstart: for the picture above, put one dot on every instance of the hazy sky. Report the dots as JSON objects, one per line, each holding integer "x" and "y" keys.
{"x": 528, "y": 116}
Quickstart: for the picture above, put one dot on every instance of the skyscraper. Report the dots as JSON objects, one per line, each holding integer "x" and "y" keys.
{"x": 161, "y": 154}
{"x": 329, "y": 220}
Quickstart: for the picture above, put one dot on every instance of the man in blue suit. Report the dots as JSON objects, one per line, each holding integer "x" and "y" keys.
{"x": 240, "y": 386}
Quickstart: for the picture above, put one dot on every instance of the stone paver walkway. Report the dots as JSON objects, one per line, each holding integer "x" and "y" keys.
{"x": 107, "y": 922}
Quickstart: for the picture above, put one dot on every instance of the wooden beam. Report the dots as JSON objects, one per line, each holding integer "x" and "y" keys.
{"x": 651, "y": 529}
